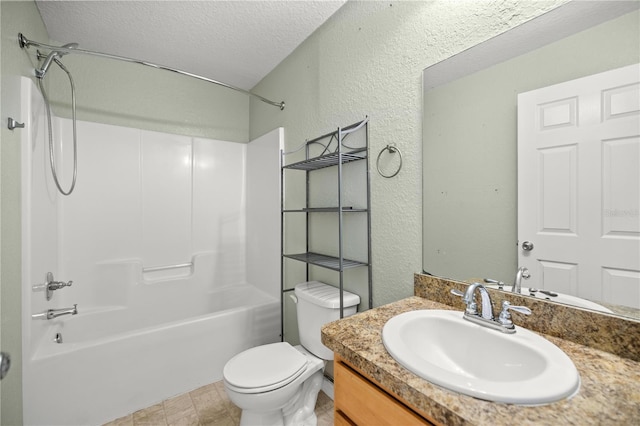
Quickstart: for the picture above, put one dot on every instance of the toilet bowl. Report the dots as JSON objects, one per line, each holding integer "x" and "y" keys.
{"x": 278, "y": 384}
{"x": 276, "y": 395}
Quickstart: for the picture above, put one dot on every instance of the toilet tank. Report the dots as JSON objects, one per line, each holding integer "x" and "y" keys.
{"x": 318, "y": 304}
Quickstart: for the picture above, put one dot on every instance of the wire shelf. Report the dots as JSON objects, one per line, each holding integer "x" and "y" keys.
{"x": 329, "y": 262}
{"x": 325, "y": 210}
{"x": 328, "y": 160}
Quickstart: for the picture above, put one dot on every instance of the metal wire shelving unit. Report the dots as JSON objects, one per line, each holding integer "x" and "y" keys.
{"x": 326, "y": 151}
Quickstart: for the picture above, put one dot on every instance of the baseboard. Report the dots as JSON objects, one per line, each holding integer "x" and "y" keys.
{"x": 327, "y": 387}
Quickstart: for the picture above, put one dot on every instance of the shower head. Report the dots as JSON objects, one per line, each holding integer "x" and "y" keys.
{"x": 42, "y": 71}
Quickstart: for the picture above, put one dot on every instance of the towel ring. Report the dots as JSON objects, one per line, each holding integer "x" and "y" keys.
{"x": 392, "y": 149}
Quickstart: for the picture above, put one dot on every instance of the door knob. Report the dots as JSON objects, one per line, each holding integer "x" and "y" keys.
{"x": 5, "y": 363}
{"x": 527, "y": 246}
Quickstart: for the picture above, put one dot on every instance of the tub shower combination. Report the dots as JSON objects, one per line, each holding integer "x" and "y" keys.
{"x": 140, "y": 285}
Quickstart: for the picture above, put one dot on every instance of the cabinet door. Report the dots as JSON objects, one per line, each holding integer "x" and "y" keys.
{"x": 363, "y": 403}
{"x": 340, "y": 419}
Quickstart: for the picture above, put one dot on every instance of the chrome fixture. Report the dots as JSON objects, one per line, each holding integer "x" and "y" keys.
{"x": 533, "y": 291}
{"x": 51, "y": 285}
{"x": 55, "y": 313}
{"x": 392, "y": 150}
{"x": 40, "y": 73}
{"x": 505, "y": 317}
{"x": 70, "y": 48}
{"x": 527, "y": 246}
{"x": 58, "y": 338}
{"x": 5, "y": 363}
{"x": 469, "y": 299}
{"x": 500, "y": 284}
{"x": 53, "y": 55}
{"x": 503, "y": 323}
{"x": 517, "y": 283}
{"x": 13, "y": 124}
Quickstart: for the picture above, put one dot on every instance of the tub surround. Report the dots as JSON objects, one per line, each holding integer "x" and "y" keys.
{"x": 155, "y": 239}
{"x": 609, "y": 366}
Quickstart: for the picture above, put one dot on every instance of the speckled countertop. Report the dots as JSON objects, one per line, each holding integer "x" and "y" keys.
{"x": 609, "y": 393}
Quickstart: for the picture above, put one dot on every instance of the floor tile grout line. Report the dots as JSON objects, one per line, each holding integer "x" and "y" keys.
{"x": 232, "y": 413}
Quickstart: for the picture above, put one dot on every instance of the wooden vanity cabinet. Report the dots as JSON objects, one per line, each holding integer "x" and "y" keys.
{"x": 359, "y": 401}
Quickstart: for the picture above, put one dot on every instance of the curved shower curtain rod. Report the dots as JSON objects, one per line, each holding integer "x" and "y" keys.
{"x": 25, "y": 42}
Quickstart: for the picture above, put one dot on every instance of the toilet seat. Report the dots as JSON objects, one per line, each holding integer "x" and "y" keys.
{"x": 264, "y": 368}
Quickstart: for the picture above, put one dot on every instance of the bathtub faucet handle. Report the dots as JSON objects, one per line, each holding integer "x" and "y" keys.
{"x": 52, "y": 285}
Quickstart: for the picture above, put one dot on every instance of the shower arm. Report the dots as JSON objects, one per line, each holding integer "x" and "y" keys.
{"x": 26, "y": 43}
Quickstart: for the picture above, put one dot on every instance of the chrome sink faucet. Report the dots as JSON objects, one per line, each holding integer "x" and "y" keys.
{"x": 503, "y": 323}
{"x": 472, "y": 307}
{"x": 517, "y": 283}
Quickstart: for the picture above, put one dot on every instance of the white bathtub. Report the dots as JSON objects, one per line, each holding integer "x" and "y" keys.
{"x": 146, "y": 329}
{"x": 115, "y": 361}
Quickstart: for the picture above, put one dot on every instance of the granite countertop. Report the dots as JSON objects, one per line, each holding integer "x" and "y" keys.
{"x": 609, "y": 393}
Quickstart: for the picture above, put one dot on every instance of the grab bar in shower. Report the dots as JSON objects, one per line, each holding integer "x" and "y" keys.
{"x": 167, "y": 267}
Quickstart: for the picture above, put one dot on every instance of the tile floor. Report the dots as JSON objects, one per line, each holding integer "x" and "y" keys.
{"x": 208, "y": 405}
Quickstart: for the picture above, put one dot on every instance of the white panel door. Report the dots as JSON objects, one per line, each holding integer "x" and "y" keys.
{"x": 579, "y": 186}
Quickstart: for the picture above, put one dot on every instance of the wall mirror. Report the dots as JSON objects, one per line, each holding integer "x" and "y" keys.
{"x": 470, "y": 134}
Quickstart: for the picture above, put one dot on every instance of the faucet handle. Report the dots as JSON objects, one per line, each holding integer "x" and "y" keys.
{"x": 505, "y": 316}
{"x": 500, "y": 284}
{"x": 472, "y": 307}
{"x": 457, "y": 292}
{"x": 51, "y": 285}
{"x": 521, "y": 309}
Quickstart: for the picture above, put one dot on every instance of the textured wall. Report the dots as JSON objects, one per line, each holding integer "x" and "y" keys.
{"x": 109, "y": 92}
{"x": 131, "y": 95}
{"x": 368, "y": 60}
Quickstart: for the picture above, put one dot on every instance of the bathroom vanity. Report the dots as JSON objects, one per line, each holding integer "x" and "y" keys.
{"x": 360, "y": 401}
{"x": 372, "y": 388}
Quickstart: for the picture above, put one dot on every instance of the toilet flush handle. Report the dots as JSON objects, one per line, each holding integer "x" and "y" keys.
{"x": 294, "y": 298}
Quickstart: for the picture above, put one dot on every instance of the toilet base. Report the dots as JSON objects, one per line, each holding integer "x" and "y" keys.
{"x": 255, "y": 418}
{"x": 300, "y": 411}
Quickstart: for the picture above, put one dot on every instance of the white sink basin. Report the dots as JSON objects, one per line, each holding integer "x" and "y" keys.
{"x": 443, "y": 348}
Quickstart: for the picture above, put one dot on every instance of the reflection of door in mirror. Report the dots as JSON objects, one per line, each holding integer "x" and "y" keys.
{"x": 579, "y": 186}
{"x": 470, "y": 153}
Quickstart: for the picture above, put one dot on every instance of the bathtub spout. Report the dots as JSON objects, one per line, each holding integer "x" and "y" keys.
{"x": 55, "y": 313}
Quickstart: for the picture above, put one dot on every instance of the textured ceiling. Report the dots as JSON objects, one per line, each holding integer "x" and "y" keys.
{"x": 236, "y": 42}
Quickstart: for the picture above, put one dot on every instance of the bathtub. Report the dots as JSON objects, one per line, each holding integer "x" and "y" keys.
{"x": 163, "y": 300}
{"x": 113, "y": 361}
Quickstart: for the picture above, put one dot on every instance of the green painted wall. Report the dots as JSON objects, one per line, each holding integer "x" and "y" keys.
{"x": 15, "y": 16}
{"x": 368, "y": 60}
{"x": 132, "y": 95}
{"x": 108, "y": 92}
{"x": 470, "y": 175}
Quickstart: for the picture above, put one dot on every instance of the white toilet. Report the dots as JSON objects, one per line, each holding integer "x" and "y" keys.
{"x": 278, "y": 384}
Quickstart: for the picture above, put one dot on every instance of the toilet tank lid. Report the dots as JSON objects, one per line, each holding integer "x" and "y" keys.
{"x": 325, "y": 295}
